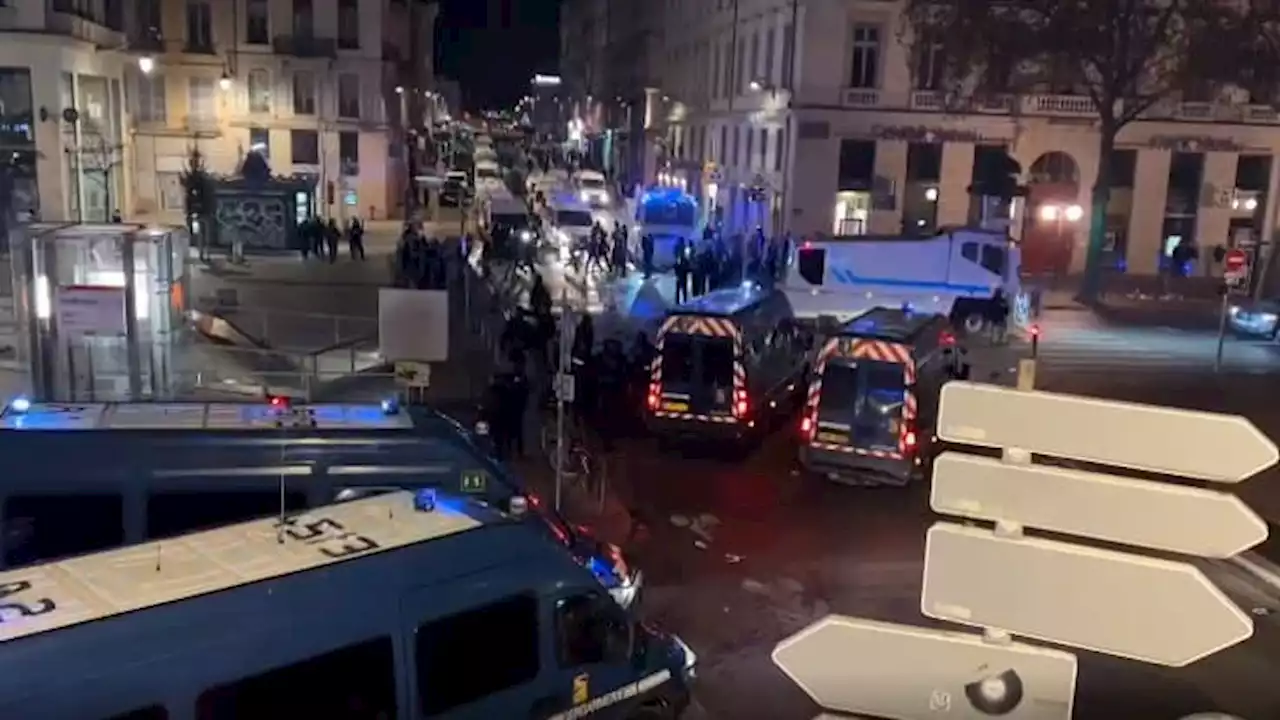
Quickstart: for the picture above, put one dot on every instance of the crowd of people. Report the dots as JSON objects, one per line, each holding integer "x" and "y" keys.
{"x": 320, "y": 239}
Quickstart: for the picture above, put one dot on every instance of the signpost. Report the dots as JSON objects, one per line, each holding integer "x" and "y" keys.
{"x": 886, "y": 670}
{"x": 1235, "y": 275}
{"x": 1159, "y": 611}
{"x": 1235, "y": 267}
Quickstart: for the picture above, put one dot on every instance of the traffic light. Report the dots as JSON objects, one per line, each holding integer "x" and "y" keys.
{"x": 996, "y": 174}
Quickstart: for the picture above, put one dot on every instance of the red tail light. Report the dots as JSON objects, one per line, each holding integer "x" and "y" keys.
{"x": 909, "y": 440}
{"x": 806, "y": 426}
{"x": 948, "y": 339}
{"x": 654, "y": 393}
{"x": 740, "y": 405}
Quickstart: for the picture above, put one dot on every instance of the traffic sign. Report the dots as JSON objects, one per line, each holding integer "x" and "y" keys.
{"x": 1147, "y": 609}
{"x": 1093, "y": 505}
{"x": 866, "y": 667}
{"x": 1199, "y": 445}
{"x": 1235, "y": 263}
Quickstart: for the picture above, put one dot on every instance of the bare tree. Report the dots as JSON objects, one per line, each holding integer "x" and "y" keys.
{"x": 100, "y": 156}
{"x": 1124, "y": 55}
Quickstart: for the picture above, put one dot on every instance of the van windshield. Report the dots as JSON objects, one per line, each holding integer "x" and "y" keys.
{"x": 590, "y": 183}
{"x": 867, "y": 396}
{"x": 574, "y": 218}
{"x": 486, "y": 172}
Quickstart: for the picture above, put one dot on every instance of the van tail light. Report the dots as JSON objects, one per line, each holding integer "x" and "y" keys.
{"x": 740, "y": 405}
{"x": 806, "y": 427}
{"x": 654, "y": 394}
{"x": 909, "y": 440}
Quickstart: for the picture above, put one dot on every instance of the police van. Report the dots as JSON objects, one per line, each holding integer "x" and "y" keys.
{"x": 136, "y": 472}
{"x": 872, "y": 402}
{"x": 406, "y": 605}
{"x": 727, "y": 362}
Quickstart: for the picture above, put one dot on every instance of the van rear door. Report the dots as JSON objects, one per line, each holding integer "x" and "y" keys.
{"x": 697, "y": 374}
{"x": 861, "y": 404}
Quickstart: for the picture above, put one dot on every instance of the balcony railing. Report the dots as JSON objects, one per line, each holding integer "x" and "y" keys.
{"x": 305, "y": 46}
{"x": 860, "y": 97}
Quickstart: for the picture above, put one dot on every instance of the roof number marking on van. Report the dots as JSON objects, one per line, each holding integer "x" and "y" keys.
{"x": 93, "y": 587}
{"x": 609, "y": 699}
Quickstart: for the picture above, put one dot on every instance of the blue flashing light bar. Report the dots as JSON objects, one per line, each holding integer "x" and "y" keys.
{"x": 20, "y": 404}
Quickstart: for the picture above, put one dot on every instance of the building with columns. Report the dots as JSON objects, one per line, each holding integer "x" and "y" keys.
{"x": 841, "y": 137}
{"x": 312, "y": 84}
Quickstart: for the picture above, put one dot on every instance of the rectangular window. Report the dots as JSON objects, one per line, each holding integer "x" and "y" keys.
{"x": 735, "y": 159}
{"x": 260, "y": 142}
{"x": 304, "y": 93}
{"x": 753, "y": 67}
{"x": 924, "y": 162}
{"x": 864, "y": 71}
{"x": 750, "y": 149}
{"x": 177, "y": 513}
{"x": 349, "y": 153}
{"x": 349, "y": 96}
{"x": 740, "y": 79}
{"x": 45, "y": 527}
{"x": 258, "y": 87}
{"x": 788, "y": 54}
{"x": 715, "y": 72}
{"x": 768, "y": 59}
{"x": 348, "y": 25}
{"x": 199, "y": 26}
{"x": 169, "y": 191}
{"x": 450, "y": 671}
{"x": 857, "y": 164}
{"x": 1124, "y": 164}
{"x": 590, "y": 630}
{"x": 304, "y": 147}
{"x": 929, "y": 64}
{"x": 781, "y": 153}
{"x": 151, "y": 105}
{"x": 303, "y": 19}
{"x": 356, "y": 681}
{"x": 727, "y": 83}
{"x": 257, "y": 22}
{"x": 202, "y": 97}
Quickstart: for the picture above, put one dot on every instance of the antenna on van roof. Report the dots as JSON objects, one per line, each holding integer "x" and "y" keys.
{"x": 159, "y": 546}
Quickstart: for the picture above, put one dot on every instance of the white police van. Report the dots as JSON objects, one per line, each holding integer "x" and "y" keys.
{"x": 404, "y": 605}
{"x": 955, "y": 273}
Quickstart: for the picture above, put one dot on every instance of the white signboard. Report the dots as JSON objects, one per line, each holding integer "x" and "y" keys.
{"x": 1148, "y": 609}
{"x": 866, "y": 667}
{"x": 1197, "y": 445}
{"x": 413, "y": 325}
{"x": 90, "y": 310}
{"x": 1093, "y": 505}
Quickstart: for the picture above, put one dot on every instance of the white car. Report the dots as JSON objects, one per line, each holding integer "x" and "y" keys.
{"x": 488, "y": 177}
{"x": 592, "y": 188}
{"x": 571, "y": 226}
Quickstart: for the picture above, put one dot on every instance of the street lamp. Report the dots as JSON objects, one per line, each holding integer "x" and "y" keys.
{"x": 225, "y": 81}
{"x": 146, "y": 64}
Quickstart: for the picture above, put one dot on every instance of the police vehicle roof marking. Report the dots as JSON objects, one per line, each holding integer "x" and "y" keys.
{"x": 888, "y": 324}
{"x": 94, "y": 587}
{"x": 729, "y": 301}
{"x": 197, "y": 416}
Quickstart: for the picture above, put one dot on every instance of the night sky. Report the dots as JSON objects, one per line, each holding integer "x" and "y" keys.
{"x": 493, "y": 47}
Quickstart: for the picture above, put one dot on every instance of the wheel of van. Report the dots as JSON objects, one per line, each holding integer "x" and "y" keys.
{"x": 973, "y": 323}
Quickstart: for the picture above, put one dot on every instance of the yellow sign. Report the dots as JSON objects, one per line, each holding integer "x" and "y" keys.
{"x": 581, "y": 688}
{"x": 676, "y": 406}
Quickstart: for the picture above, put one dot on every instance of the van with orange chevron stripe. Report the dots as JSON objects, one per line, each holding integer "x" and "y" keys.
{"x": 872, "y": 401}
{"x": 727, "y": 362}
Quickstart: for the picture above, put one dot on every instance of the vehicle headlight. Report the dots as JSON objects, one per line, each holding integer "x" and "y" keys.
{"x": 1234, "y": 310}
{"x": 585, "y": 195}
{"x": 690, "y": 657}
{"x": 1268, "y": 318}
{"x": 525, "y": 236}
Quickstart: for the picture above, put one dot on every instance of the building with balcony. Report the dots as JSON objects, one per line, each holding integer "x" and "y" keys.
{"x": 311, "y": 84}
{"x": 610, "y": 58}
{"x": 62, "y": 116}
{"x": 849, "y": 135}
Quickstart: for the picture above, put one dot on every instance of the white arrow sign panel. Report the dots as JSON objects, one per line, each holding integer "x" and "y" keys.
{"x": 1155, "y": 611}
{"x": 903, "y": 672}
{"x": 1173, "y": 518}
{"x": 1204, "y": 446}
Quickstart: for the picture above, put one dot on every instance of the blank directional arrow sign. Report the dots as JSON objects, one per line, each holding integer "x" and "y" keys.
{"x": 902, "y": 672}
{"x": 1204, "y": 446}
{"x": 1173, "y": 518}
{"x": 1147, "y": 609}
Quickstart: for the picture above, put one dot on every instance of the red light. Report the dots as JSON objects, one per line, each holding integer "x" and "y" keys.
{"x": 948, "y": 339}
{"x": 653, "y": 397}
{"x": 279, "y": 402}
{"x": 740, "y": 409}
{"x": 909, "y": 440}
{"x": 807, "y": 245}
{"x": 806, "y": 425}
{"x": 1035, "y": 331}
